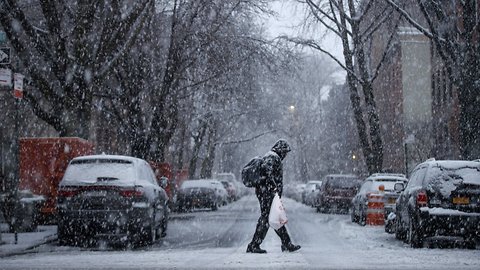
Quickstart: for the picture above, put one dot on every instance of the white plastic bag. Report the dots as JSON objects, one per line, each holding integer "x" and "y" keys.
{"x": 277, "y": 217}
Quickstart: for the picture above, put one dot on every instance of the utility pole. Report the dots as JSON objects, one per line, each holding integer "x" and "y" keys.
{"x": 2, "y": 172}
{"x": 13, "y": 82}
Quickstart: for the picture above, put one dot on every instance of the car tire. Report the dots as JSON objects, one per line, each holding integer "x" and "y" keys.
{"x": 64, "y": 239}
{"x": 150, "y": 234}
{"x": 399, "y": 230}
{"x": 162, "y": 232}
{"x": 362, "y": 220}
{"x": 353, "y": 216}
{"x": 470, "y": 244}
{"x": 214, "y": 206}
{"x": 415, "y": 238}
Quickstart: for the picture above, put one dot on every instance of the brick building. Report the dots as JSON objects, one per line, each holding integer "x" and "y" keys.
{"x": 417, "y": 104}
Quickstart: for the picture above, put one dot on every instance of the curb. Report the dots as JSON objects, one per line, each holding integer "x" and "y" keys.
{"x": 31, "y": 249}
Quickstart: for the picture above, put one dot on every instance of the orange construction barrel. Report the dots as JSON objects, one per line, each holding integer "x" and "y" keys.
{"x": 375, "y": 210}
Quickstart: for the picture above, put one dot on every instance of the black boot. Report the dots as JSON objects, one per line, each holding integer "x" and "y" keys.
{"x": 251, "y": 248}
{"x": 290, "y": 247}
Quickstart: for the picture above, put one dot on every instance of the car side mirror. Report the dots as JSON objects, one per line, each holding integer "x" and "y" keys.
{"x": 398, "y": 187}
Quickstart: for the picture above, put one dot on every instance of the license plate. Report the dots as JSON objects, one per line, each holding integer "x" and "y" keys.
{"x": 101, "y": 193}
{"x": 461, "y": 200}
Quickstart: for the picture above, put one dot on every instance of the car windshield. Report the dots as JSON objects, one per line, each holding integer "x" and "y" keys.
{"x": 387, "y": 183}
{"x": 87, "y": 171}
{"x": 344, "y": 183}
{"x": 225, "y": 184}
{"x": 226, "y": 176}
{"x": 196, "y": 183}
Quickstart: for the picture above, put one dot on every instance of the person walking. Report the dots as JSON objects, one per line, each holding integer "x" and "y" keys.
{"x": 273, "y": 170}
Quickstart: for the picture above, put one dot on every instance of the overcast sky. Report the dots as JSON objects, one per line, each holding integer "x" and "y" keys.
{"x": 289, "y": 22}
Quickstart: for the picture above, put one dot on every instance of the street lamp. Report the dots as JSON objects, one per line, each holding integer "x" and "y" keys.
{"x": 291, "y": 108}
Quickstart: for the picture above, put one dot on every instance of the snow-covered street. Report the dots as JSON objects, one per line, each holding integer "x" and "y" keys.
{"x": 209, "y": 240}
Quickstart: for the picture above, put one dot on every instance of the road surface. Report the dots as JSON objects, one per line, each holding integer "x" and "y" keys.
{"x": 218, "y": 240}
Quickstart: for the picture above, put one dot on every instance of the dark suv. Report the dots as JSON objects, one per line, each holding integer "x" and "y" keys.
{"x": 337, "y": 191}
{"x": 441, "y": 201}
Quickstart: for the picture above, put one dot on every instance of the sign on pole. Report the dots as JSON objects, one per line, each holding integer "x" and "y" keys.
{"x": 5, "y": 77}
{"x": 18, "y": 85}
{"x": 4, "y": 55}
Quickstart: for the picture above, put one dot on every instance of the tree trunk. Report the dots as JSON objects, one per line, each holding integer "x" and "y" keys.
{"x": 192, "y": 168}
{"x": 352, "y": 83}
{"x": 469, "y": 85}
{"x": 208, "y": 161}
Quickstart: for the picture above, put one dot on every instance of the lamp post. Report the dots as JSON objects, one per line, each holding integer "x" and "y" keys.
{"x": 298, "y": 138}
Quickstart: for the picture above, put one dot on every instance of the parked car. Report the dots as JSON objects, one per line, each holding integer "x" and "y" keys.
{"x": 116, "y": 198}
{"x": 220, "y": 191}
{"x": 441, "y": 201}
{"x": 231, "y": 190}
{"x": 294, "y": 191}
{"x": 337, "y": 192}
{"x": 372, "y": 185}
{"x": 299, "y": 189}
{"x": 198, "y": 194}
{"x": 310, "y": 193}
{"x": 241, "y": 190}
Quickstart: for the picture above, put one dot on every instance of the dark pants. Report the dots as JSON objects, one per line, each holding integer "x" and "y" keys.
{"x": 265, "y": 198}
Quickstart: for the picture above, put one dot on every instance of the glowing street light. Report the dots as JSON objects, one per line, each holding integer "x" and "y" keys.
{"x": 291, "y": 108}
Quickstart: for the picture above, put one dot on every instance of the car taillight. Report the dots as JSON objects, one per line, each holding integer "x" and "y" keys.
{"x": 422, "y": 199}
{"x": 131, "y": 193}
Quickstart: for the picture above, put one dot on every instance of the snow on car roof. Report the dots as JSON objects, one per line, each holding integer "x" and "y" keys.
{"x": 81, "y": 171}
{"x": 314, "y": 182}
{"x": 455, "y": 164}
{"x": 120, "y": 157}
{"x": 387, "y": 177}
{"x": 342, "y": 175}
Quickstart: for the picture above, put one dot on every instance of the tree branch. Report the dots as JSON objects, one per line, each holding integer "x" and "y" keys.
{"x": 312, "y": 44}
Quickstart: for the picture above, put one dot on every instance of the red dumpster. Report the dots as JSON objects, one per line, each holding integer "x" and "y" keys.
{"x": 43, "y": 162}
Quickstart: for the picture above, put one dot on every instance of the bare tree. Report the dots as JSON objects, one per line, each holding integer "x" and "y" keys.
{"x": 355, "y": 23}
{"x": 67, "y": 49}
{"x": 454, "y": 29}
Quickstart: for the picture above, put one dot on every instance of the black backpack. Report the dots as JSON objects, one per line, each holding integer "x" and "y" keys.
{"x": 252, "y": 173}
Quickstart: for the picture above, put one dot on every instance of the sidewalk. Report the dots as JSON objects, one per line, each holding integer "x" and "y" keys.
{"x": 26, "y": 241}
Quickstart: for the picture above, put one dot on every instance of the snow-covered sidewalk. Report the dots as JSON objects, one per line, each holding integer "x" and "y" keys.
{"x": 27, "y": 242}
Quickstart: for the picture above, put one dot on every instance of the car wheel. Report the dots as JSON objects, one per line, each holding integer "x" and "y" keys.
{"x": 150, "y": 234}
{"x": 362, "y": 220}
{"x": 414, "y": 235}
{"x": 64, "y": 239}
{"x": 471, "y": 245}
{"x": 353, "y": 216}
{"x": 163, "y": 226}
{"x": 214, "y": 206}
{"x": 399, "y": 230}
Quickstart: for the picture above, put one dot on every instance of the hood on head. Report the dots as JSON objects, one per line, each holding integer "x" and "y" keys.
{"x": 281, "y": 147}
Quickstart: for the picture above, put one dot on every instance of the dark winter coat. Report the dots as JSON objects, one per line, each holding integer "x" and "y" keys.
{"x": 273, "y": 170}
